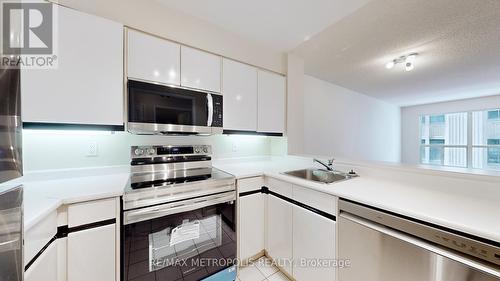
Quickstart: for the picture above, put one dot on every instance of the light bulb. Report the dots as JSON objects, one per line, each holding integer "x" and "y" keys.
{"x": 409, "y": 66}
{"x": 389, "y": 65}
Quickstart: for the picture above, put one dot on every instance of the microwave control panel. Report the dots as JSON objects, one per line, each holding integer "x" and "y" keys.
{"x": 217, "y": 117}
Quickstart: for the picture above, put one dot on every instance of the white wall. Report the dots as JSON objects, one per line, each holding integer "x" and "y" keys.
{"x": 410, "y": 149}
{"x": 48, "y": 149}
{"x": 348, "y": 125}
{"x": 295, "y": 108}
{"x": 152, "y": 17}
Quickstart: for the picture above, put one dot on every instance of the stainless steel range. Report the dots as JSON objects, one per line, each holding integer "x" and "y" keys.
{"x": 179, "y": 216}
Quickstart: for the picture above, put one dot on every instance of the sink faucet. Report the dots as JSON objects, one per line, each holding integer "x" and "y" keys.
{"x": 328, "y": 166}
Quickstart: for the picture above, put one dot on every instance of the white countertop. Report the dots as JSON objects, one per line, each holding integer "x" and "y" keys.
{"x": 46, "y": 191}
{"x": 462, "y": 202}
{"x": 467, "y": 203}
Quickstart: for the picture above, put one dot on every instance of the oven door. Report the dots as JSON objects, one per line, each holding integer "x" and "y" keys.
{"x": 159, "y": 109}
{"x": 193, "y": 239}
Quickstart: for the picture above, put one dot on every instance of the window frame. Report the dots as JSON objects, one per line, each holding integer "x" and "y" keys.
{"x": 423, "y": 121}
{"x": 469, "y": 146}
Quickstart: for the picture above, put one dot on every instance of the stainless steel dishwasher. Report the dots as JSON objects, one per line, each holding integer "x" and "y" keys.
{"x": 382, "y": 246}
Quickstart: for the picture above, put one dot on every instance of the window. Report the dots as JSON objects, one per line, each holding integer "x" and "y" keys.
{"x": 494, "y": 114}
{"x": 494, "y": 152}
{"x": 464, "y": 139}
{"x": 437, "y": 119}
{"x": 443, "y": 139}
{"x": 436, "y": 155}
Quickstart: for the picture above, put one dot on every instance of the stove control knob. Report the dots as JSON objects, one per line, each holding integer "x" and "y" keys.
{"x": 197, "y": 150}
{"x": 139, "y": 151}
{"x": 151, "y": 151}
{"x": 205, "y": 149}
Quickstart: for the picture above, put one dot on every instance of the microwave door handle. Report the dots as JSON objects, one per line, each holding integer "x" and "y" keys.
{"x": 210, "y": 105}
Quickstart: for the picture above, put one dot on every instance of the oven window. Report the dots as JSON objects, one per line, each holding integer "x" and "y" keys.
{"x": 150, "y": 103}
{"x": 185, "y": 246}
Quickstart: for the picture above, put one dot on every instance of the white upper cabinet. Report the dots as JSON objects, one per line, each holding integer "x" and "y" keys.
{"x": 271, "y": 102}
{"x": 200, "y": 70}
{"x": 239, "y": 89}
{"x": 153, "y": 59}
{"x": 87, "y": 85}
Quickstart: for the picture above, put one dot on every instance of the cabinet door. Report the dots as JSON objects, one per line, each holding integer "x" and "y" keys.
{"x": 313, "y": 240}
{"x": 239, "y": 87}
{"x": 45, "y": 266}
{"x": 153, "y": 59}
{"x": 271, "y": 103}
{"x": 92, "y": 254}
{"x": 251, "y": 225}
{"x": 279, "y": 231}
{"x": 87, "y": 85}
{"x": 200, "y": 70}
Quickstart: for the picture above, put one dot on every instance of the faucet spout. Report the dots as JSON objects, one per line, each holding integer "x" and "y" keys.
{"x": 328, "y": 166}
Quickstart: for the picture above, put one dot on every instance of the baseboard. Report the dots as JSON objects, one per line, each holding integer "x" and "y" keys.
{"x": 282, "y": 270}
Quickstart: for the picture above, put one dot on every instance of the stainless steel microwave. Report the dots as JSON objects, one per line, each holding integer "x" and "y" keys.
{"x": 160, "y": 109}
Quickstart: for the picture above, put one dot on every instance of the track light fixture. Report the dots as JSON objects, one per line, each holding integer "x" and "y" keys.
{"x": 408, "y": 60}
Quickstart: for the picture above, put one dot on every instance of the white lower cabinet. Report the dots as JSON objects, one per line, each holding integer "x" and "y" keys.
{"x": 45, "y": 266}
{"x": 92, "y": 254}
{"x": 279, "y": 232}
{"x": 251, "y": 225}
{"x": 313, "y": 246}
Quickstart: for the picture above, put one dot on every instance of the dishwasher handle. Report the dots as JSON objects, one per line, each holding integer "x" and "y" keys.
{"x": 439, "y": 250}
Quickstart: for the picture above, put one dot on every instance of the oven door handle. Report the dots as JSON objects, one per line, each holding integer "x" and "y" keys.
{"x": 175, "y": 208}
{"x": 210, "y": 105}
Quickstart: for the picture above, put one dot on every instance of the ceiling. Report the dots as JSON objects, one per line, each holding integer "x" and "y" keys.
{"x": 458, "y": 42}
{"x": 278, "y": 24}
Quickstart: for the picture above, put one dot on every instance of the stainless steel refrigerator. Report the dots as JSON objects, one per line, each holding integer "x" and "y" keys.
{"x": 11, "y": 195}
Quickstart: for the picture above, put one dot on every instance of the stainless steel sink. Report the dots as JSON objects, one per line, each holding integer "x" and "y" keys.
{"x": 318, "y": 175}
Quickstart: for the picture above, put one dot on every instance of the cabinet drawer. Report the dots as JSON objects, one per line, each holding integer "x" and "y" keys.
{"x": 318, "y": 200}
{"x": 250, "y": 184}
{"x": 280, "y": 187}
{"x": 90, "y": 212}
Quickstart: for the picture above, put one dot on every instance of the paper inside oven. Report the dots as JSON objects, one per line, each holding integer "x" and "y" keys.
{"x": 172, "y": 245}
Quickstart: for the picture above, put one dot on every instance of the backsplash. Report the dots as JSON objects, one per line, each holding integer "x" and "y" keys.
{"x": 48, "y": 149}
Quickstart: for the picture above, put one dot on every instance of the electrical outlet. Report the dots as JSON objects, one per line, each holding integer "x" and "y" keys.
{"x": 92, "y": 149}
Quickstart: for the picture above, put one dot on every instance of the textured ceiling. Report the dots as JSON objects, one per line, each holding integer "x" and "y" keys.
{"x": 458, "y": 42}
{"x": 278, "y": 24}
